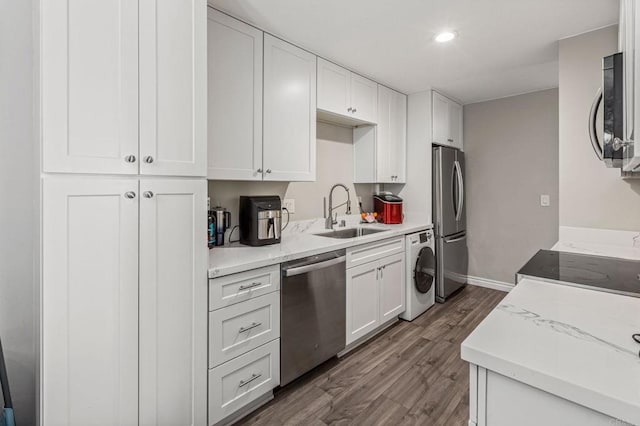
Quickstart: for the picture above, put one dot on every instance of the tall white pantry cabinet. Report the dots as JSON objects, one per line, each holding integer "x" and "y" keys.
{"x": 124, "y": 257}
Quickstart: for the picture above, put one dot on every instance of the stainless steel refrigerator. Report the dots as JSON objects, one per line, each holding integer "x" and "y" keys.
{"x": 449, "y": 215}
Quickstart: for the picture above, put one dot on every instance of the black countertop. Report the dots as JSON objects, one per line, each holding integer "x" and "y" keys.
{"x": 603, "y": 273}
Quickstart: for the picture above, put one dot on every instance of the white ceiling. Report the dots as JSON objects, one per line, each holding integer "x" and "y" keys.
{"x": 505, "y": 47}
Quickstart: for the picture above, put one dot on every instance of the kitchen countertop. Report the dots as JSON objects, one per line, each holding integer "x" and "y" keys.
{"x": 570, "y": 342}
{"x": 299, "y": 241}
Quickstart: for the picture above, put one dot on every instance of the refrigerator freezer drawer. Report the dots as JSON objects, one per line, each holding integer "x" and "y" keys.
{"x": 453, "y": 261}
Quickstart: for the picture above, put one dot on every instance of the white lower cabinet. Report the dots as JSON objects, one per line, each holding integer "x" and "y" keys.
{"x": 239, "y": 382}
{"x": 123, "y": 302}
{"x": 497, "y": 400}
{"x": 89, "y": 320}
{"x": 244, "y": 341}
{"x": 173, "y": 302}
{"x": 392, "y": 287}
{"x": 375, "y": 290}
{"x": 242, "y": 327}
{"x": 362, "y": 300}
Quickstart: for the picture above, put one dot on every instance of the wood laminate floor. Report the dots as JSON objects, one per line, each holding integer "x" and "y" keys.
{"x": 411, "y": 374}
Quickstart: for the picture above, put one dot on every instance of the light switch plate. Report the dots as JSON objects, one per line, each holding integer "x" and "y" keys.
{"x": 289, "y": 204}
{"x": 545, "y": 200}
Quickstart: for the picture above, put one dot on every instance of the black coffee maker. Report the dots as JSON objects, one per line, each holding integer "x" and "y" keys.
{"x": 260, "y": 220}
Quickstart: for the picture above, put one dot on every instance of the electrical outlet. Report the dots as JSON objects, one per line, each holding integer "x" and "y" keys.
{"x": 289, "y": 204}
{"x": 545, "y": 200}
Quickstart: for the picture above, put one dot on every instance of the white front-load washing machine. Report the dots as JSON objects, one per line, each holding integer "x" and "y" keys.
{"x": 421, "y": 274}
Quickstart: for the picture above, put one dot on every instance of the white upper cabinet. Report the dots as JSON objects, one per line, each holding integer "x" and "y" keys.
{"x": 235, "y": 99}
{"x": 334, "y": 88}
{"x": 89, "y": 331}
{"x": 124, "y": 87}
{"x": 380, "y": 152}
{"x": 364, "y": 98}
{"x": 440, "y": 123}
{"x": 173, "y": 87}
{"x": 89, "y": 76}
{"x": 628, "y": 37}
{"x": 455, "y": 124}
{"x": 446, "y": 121}
{"x": 391, "y": 142}
{"x": 346, "y": 94}
{"x": 289, "y": 138}
{"x": 173, "y": 302}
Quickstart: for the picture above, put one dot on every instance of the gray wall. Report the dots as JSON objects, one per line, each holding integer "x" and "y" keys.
{"x": 334, "y": 165}
{"x": 18, "y": 214}
{"x": 511, "y": 149}
{"x": 591, "y": 195}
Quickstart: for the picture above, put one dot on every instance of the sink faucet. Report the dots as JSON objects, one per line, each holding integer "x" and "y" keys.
{"x": 330, "y": 221}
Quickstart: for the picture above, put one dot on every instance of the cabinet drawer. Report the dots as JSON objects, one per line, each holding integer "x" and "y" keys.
{"x": 370, "y": 252}
{"x": 240, "y": 287}
{"x": 243, "y": 380}
{"x": 242, "y": 327}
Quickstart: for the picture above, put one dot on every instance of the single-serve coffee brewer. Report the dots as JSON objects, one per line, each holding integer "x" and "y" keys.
{"x": 220, "y": 221}
{"x": 260, "y": 220}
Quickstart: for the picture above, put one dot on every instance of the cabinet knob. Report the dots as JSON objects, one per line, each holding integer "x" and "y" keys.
{"x": 259, "y": 170}
{"x": 450, "y": 140}
{"x": 353, "y": 110}
{"x": 148, "y": 159}
{"x": 268, "y": 170}
{"x": 130, "y": 158}
{"x": 130, "y": 195}
{"x": 349, "y": 109}
{"x": 147, "y": 194}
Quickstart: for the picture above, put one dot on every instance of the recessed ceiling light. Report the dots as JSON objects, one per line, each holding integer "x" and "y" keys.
{"x": 445, "y": 36}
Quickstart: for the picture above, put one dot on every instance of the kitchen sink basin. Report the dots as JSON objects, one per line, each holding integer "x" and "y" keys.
{"x": 350, "y": 232}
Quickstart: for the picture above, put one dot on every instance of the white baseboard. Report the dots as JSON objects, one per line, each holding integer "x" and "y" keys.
{"x": 493, "y": 284}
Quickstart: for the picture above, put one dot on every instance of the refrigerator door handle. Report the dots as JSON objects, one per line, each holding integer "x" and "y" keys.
{"x": 458, "y": 170}
{"x": 456, "y": 239}
{"x": 454, "y": 186}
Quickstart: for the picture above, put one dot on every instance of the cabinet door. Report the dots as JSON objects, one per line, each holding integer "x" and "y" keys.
{"x": 364, "y": 98}
{"x": 235, "y": 99}
{"x": 384, "y": 143}
{"x": 89, "y": 71}
{"x": 392, "y": 287}
{"x": 455, "y": 124}
{"x": 334, "y": 88}
{"x": 173, "y": 87}
{"x": 362, "y": 300}
{"x": 391, "y": 141}
{"x": 173, "y": 302}
{"x": 399, "y": 136}
{"x": 440, "y": 115}
{"x": 89, "y": 302}
{"x": 289, "y": 148}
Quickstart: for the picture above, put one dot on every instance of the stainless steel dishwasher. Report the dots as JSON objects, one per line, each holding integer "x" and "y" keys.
{"x": 313, "y": 310}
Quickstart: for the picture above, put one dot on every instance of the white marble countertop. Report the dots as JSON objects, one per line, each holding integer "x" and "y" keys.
{"x": 570, "y": 342}
{"x": 299, "y": 241}
{"x": 599, "y": 242}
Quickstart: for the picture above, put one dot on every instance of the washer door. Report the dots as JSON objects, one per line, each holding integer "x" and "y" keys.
{"x": 424, "y": 273}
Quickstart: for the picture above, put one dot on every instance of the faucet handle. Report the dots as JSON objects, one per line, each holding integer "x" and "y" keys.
{"x": 335, "y": 220}
{"x": 343, "y": 223}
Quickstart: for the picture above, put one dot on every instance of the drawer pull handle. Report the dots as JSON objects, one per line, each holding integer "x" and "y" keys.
{"x": 246, "y": 382}
{"x": 248, "y": 286}
{"x": 249, "y": 327}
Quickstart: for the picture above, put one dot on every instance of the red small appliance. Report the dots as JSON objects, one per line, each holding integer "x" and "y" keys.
{"x": 388, "y": 207}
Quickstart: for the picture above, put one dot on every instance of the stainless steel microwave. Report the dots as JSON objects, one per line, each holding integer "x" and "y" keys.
{"x": 610, "y": 95}
{"x": 616, "y": 147}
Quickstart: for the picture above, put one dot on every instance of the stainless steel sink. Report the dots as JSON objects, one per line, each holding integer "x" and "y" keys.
{"x": 349, "y": 232}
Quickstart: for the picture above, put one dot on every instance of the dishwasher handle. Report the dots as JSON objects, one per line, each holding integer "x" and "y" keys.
{"x": 290, "y": 272}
